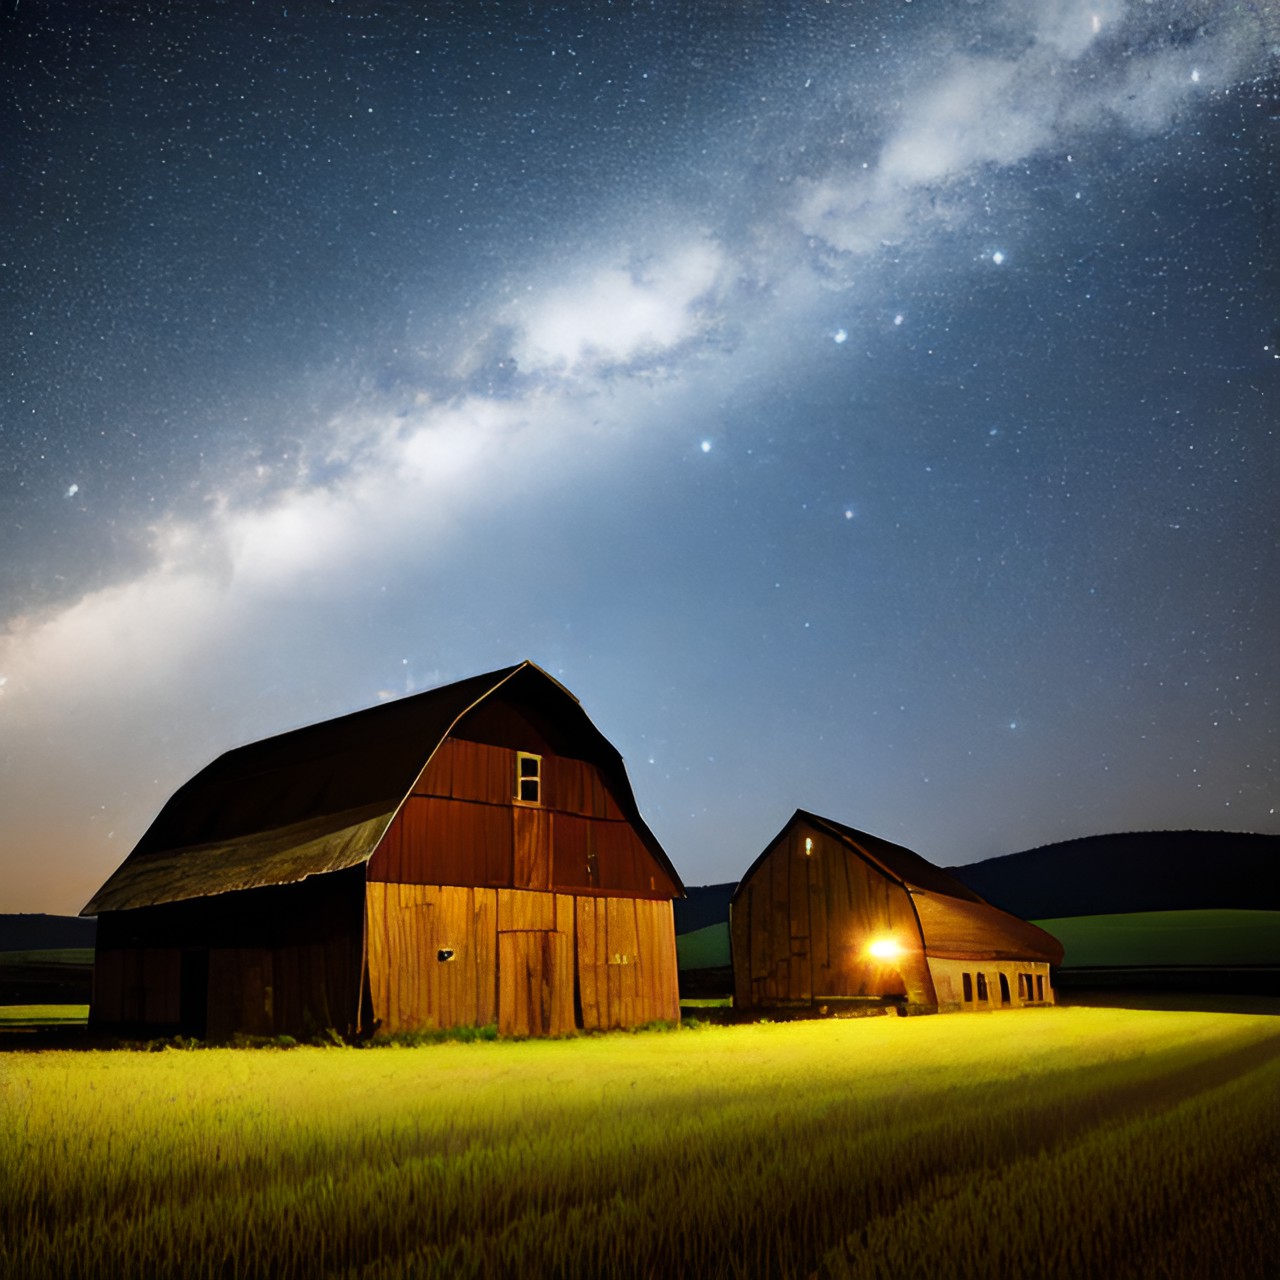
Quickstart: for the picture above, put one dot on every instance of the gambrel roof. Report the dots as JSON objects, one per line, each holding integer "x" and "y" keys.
{"x": 319, "y": 798}
{"x": 955, "y": 922}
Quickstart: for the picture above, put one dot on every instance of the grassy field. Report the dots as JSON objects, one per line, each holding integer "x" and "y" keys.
{"x": 60, "y": 955}
{"x": 1047, "y": 1143}
{"x": 1170, "y": 937}
{"x": 704, "y": 948}
{"x": 42, "y": 1015}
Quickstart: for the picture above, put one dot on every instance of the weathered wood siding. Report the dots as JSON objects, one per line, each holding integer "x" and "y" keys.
{"x": 534, "y": 963}
{"x": 461, "y": 825}
{"x": 801, "y": 925}
{"x": 273, "y": 961}
{"x": 627, "y": 973}
{"x": 136, "y": 987}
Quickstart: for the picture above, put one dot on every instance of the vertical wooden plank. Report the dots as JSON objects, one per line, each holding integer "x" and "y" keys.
{"x": 455, "y": 995}
{"x": 665, "y": 941}
{"x": 819, "y": 933}
{"x": 800, "y": 981}
{"x": 658, "y": 995}
{"x": 513, "y": 1013}
{"x": 586, "y": 910}
{"x": 557, "y": 990}
{"x": 622, "y": 949}
{"x": 485, "y": 933}
{"x": 375, "y": 944}
{"x": 532, "y": 866}
{"x": 106, "y": 1000}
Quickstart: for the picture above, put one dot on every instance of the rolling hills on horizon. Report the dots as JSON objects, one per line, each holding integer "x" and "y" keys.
{"x": 1130, "y": 872}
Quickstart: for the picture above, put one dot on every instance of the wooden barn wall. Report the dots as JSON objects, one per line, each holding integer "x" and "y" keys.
{"x": 627, "y": 972}
{"x": 462, "y": 826}
{"x": 533, "y": 963}
{"x": 272, "y": 961}
{"x": 800, "y": 928}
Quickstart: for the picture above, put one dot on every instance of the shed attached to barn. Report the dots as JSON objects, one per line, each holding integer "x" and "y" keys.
{"x": 466, "y": 856}
{"x": 828, "y": 915}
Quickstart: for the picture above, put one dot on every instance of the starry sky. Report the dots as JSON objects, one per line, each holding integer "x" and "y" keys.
{"x": 868, "y": 407}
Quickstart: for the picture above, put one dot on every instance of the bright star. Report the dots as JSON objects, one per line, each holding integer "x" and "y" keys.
{"x": 840, "y": 335}
{"x": 706, "y": 446}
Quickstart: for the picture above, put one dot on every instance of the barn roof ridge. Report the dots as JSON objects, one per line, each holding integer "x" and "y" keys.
{"x": 268, "y": 812}
{"x": 910, "y": 869}
{"x": 904, "y": 866}
{"x": 954, "y": 921}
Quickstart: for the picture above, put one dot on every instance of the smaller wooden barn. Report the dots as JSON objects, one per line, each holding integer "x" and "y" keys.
{"x": 466, "y": 856}
{"x": 828, "y": 915}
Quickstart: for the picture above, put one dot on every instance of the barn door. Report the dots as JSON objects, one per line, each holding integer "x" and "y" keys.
{"x": 535, "y": 983}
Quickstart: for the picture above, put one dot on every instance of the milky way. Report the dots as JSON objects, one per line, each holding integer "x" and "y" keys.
{"x": 863, "y": 407}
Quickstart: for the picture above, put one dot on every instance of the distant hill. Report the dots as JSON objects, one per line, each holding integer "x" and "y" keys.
{"x": 1131, "y": 872}
{"x": 703, "y": 905}
{"x": 38, "y": 932}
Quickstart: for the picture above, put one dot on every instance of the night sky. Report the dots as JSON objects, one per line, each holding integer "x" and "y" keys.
{"x": 868, "y": 407}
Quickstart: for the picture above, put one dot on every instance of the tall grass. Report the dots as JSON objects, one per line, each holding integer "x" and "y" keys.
{"x": 1057, "y": 1142}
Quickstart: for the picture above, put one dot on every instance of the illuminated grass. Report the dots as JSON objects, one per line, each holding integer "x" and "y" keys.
{"x": 1056, "y": 1142}
{"x": 42, "y": 1015}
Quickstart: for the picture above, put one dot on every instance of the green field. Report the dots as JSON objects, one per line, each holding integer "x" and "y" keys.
{"x": 1047, "y": 1143}
{"x": 704, "y": 948}
{"x": 42, "y": 1015}
{"x": 1169, "y": 938}
{"x": 60, "y": 955}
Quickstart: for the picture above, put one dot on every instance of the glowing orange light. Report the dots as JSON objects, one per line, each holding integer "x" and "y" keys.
{"x": 885, "y": 949}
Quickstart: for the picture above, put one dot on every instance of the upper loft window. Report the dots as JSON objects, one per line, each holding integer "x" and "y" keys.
{"x": 528, "y": 777}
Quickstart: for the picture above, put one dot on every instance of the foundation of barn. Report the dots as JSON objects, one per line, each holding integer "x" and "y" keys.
{"x": 974, "y": 985}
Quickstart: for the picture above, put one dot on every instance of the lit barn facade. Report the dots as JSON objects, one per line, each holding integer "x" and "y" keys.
{"x": 467, "y": 856}
{"x": 832, "y": 916}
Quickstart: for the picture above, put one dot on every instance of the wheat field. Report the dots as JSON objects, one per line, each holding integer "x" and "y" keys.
{"x": 1048, "y": 1143}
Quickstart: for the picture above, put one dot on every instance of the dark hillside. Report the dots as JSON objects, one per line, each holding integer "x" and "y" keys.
{"x": 703, "y": 905}
{"x": 1134, "y": 871}
{"x": 37, "y": 932}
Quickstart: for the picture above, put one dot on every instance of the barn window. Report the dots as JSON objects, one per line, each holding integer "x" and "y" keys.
{"x": 1025, "y": 990}
{"x": 528, "y": 777}
{"x": 967, "y": 980}
{"x": 1039, "y": 986}
{"x": 982, "y": 986}
{"x": 1005, "y": 998}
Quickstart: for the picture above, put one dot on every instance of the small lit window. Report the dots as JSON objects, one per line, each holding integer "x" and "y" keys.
{"x": 967, "y": 980}
{"x": 528, "y": 777}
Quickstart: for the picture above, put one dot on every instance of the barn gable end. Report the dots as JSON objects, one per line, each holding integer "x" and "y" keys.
{"x": 828, "y": 915}
{"x": 465, "y": 856}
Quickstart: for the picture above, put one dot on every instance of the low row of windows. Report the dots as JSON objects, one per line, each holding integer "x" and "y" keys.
{"x": 1030, "y": 987}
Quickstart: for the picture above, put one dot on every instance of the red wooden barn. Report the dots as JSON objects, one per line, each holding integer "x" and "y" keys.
{"x": 830, "y": 915}
{"x": 465, "y": 856}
